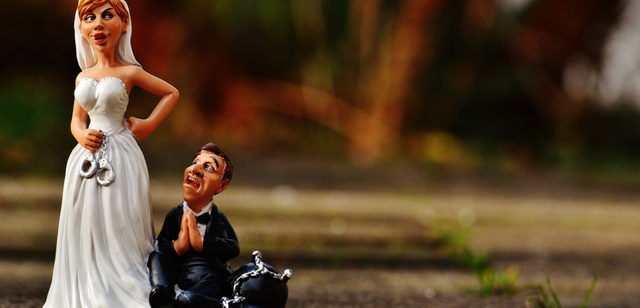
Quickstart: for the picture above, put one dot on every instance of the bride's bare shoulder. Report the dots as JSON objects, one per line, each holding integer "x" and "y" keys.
{"x": 133, "y": 72}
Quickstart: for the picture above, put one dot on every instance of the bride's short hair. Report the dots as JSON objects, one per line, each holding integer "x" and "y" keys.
{"x": 84, "y": 6}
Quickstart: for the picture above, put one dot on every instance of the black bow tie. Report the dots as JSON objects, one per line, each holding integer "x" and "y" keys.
{"x": 203, "y": 219}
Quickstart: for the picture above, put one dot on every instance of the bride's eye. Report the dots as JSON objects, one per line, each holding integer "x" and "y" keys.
{"x": 107, "y": 16}
{"x": 89, "y": 17}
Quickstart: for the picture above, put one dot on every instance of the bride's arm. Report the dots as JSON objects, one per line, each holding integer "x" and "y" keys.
{"x": 90, "y": 139}
{"x": 142, "y": 128}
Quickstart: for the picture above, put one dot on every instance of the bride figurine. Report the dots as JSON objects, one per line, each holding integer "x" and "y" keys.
{"x": 105, "y": 233}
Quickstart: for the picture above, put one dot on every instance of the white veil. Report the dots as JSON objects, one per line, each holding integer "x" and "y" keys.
{"x": 85, "y": 54}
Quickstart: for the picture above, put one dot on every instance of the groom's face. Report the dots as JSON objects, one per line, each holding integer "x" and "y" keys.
{"x": 203, "y": 179}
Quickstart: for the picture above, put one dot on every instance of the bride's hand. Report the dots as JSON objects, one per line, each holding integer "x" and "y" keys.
{"x": 91, "y": 139}
{"x": 141, "y": 129}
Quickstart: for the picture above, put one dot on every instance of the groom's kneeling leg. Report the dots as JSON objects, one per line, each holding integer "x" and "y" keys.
{"x": 162, "y": 280}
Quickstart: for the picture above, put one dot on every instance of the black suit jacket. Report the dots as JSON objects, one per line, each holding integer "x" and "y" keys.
{"x": 220, "y": 242}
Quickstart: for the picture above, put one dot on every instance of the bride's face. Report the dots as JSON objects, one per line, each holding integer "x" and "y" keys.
{"x": 102, "y": 27}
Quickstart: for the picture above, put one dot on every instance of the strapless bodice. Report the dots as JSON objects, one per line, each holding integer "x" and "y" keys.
{"x": 105, "y": 101}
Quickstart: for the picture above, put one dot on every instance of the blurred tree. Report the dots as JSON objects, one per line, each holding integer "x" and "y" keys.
{"x": 497, "y": 74}
{"x": 434, "y": 80}
{"x": 345, "y": 65}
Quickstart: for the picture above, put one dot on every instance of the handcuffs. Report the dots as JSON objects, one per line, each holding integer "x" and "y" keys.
{"x": 101, "y": 167}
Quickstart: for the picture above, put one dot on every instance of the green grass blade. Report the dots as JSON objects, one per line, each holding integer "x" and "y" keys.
{"x": 593, "y": 285}
{"x": 553, "y": 294}
{"x": 543, "y": 293}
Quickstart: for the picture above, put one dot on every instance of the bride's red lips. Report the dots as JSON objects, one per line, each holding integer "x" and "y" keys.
{"x": 99, "y": 37}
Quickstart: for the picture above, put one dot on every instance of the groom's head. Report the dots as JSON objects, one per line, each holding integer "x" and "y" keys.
{"x": 209, "y": 174}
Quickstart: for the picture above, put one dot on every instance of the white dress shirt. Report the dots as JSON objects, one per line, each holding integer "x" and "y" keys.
{"x": 206, "y": 209}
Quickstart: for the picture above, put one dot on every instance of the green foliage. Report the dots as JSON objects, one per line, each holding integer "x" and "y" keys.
{"x": 544, "y": 302}
{"x": 29, "y": 126}
{"x": 26, "y": 111}
{"x": 490, "y": 281}
{"x": 451, "y": 236}
{"x": 471, "y": 81}
{"x": 494, "y": 282}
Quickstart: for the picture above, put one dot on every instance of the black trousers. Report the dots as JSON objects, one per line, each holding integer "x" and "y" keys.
{"x": 202, "y": 284}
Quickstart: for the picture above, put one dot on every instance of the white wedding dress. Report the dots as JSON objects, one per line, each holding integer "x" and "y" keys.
{"x": 105, "y": 234}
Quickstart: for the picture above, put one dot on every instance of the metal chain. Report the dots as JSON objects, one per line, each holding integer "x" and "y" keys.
{"x": 104, "y": 165}
{"x": 103, "y": 148}
{"x": 260, "y": 270}
{"x": 235, "y": 300}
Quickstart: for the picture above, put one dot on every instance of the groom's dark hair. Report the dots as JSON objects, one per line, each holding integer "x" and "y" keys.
{"x": 213, "y": 148}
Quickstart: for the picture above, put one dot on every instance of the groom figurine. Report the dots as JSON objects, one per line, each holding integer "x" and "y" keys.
{"x": 196, "y": 241}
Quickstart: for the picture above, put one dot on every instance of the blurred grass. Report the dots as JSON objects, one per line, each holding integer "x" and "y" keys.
{"x": 325, "y": 228}
{"x": 359, "y": 241}
{"x": 340, "y": 228}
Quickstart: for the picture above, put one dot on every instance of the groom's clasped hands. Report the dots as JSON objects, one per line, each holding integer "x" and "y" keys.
{"x": 189, "y": 236}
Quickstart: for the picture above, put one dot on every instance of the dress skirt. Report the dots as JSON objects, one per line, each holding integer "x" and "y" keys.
{"x": 105, "y": 233}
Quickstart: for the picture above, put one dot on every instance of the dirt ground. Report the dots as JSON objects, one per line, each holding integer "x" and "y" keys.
{"x": 375, "y": 248}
